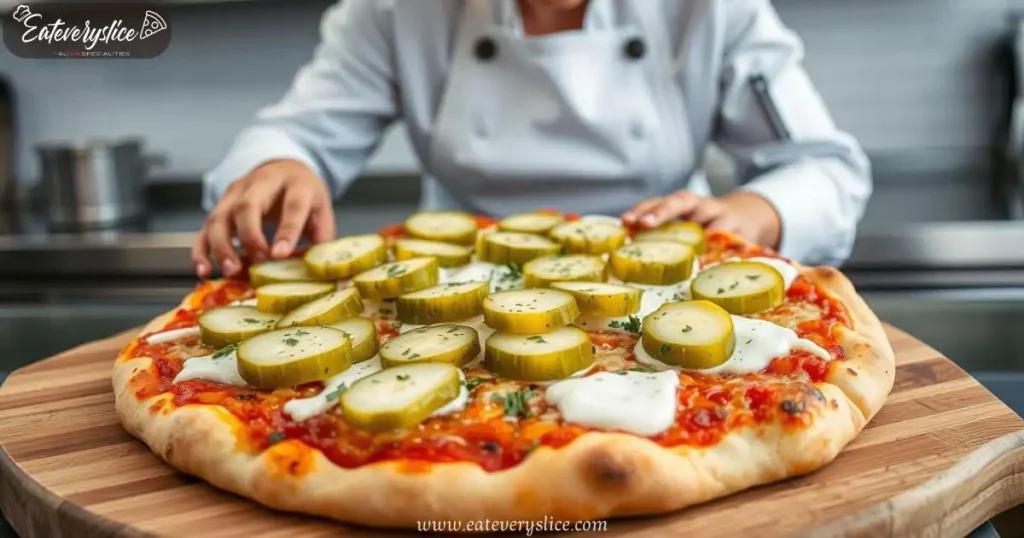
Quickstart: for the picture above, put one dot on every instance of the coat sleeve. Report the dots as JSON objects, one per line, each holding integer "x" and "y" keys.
{"x": 339, "y": 104}
{"x": 816, "y": 177}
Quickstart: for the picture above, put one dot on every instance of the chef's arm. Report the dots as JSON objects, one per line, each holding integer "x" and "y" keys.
{"x": 815, "y": 176}
{"x": 334, "y": 114}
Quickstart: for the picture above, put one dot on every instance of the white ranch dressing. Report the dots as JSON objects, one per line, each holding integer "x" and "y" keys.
{"x": 223, "y": 369}
{"x": 636, "y": 402}
{"x": 303, "y": 408}
{"x": 757, "y": 343}
{"x": 172, "y": 335}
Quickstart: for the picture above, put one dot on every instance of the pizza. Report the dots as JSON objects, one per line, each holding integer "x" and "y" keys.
{"x": 152, "y": 23}
{"x": 542, "y": 366}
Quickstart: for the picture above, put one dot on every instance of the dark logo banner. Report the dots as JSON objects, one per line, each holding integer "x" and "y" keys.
{"x": 86, "y": 31}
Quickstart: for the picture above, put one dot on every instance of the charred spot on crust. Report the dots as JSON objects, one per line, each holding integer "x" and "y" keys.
{"x": 793, "y": 407}
{"x": 610, "y": 469}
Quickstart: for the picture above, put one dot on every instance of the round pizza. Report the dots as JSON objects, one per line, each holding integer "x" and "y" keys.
{"x": 545, "y": 365}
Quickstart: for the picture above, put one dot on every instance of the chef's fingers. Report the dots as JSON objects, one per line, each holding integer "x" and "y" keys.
{"x": 218, "y": 233}
{"x": 200, "y": 255}
{"x": 248, "y": 213}
{"x": 706, "y": 211}
{"x": 678, "y": 205}
{"x": 321, "y": 226}
{"x": 631, "y": 216}
{"x": 295, "y": 210}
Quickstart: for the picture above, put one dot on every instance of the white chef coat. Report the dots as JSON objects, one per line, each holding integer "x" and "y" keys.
{"x": 590, "y": 121}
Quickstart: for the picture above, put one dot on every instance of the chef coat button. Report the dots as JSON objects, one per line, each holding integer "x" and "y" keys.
{"x": 485, "y": 49}
{"x": 635, "y": 48}
{"x": 637, "y": 130}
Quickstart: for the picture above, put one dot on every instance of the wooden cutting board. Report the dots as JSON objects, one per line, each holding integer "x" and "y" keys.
{"x": 942, "y": 456}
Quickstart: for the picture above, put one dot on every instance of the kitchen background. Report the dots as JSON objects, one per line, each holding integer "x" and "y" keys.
{"x": 926, "y": 85}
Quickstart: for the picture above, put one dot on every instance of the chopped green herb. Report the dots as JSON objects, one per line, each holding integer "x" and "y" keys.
{"x": 664, "y": 349}
{"x": 687, "y": 329}
{"x": 250, "y": 321}
{"x": 301, "y": 332}
{"x": 514, "y": 271}
{"x": 291, "y": 342}
{"x": 395, "y": 269}
{"x": 476, "y": 381}
{"x": 538, "y": 339}
{"x": 632, "y": 325}
{"x": 402, "y": 377}
{"x": 753, "y": 277}
{"x": 515, "y": 403}
{"x": 336, "y": 393}
{"x": 225, "y": 351}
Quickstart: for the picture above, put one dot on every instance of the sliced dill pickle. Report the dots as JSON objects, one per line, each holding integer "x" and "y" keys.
{"x": 231, "y": 324}
{"x": 400, "y": 397}
{"x": 293, "y": 356}
{"x": 542, "y": 272}
{"x": 653, "y": 263}
{"x": 397, "y": 278}
{"x": 530, "y": 311}
{"x": 511, "y": 247}
{"x": 286, "y": 296}
{"x": 530, "y": 223}
{"x": 335, "y": 306}
{"x": 447, "y": 226}
{"x": 602, "y": 299}
{"x": 549, "y": 356}
{"x": 692, "y": 334}
{"x": 685, "y": 232}
{"x": 447, "y": 254}
{"x": 442, "y": 303}
{"x": 346, "y": 256}
{"x": 448, "y": 343}
{"x": 740, "y": 288}
{"x": 589, "y": 236}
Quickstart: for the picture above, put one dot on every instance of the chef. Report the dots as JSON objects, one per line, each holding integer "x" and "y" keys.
{"x": 593, "y": 106}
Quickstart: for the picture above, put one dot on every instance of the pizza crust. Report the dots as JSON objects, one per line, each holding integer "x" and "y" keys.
{"x": 867, "y": 374}
{"x": 597, "y": 476}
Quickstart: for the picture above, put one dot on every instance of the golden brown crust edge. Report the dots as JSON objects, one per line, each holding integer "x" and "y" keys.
{"x": 599, "y": 475}
{"x": 867, "y": 374}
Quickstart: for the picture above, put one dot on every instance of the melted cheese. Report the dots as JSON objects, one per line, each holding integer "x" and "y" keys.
{"x": 172, "y": 335}
{"x": 757, "y": 343}
{"x": 303, "y": 408}
{"x": 223, "y": 369}
{"x": 635, "y": 402}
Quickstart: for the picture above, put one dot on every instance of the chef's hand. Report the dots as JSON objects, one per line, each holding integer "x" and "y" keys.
{"x": 284, "y": 191}
{"x": 745, "y": 214}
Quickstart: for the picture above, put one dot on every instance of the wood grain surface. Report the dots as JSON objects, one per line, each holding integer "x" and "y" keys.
{"x": 942, "y": 456}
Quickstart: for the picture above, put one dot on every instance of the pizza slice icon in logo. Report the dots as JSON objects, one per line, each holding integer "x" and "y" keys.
{"x": 152, "y": 24}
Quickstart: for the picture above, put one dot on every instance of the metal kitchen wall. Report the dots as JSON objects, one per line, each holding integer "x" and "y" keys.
{"x": 899, "y": 74}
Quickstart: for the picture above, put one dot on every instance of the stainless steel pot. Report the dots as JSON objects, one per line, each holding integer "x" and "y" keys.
{"x": 96, "y": 185}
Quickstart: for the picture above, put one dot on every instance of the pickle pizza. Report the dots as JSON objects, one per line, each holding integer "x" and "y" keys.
{"x": 514, "y": 367}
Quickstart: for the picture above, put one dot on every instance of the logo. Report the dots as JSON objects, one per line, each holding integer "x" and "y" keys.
{"x": 85, "y": 31}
